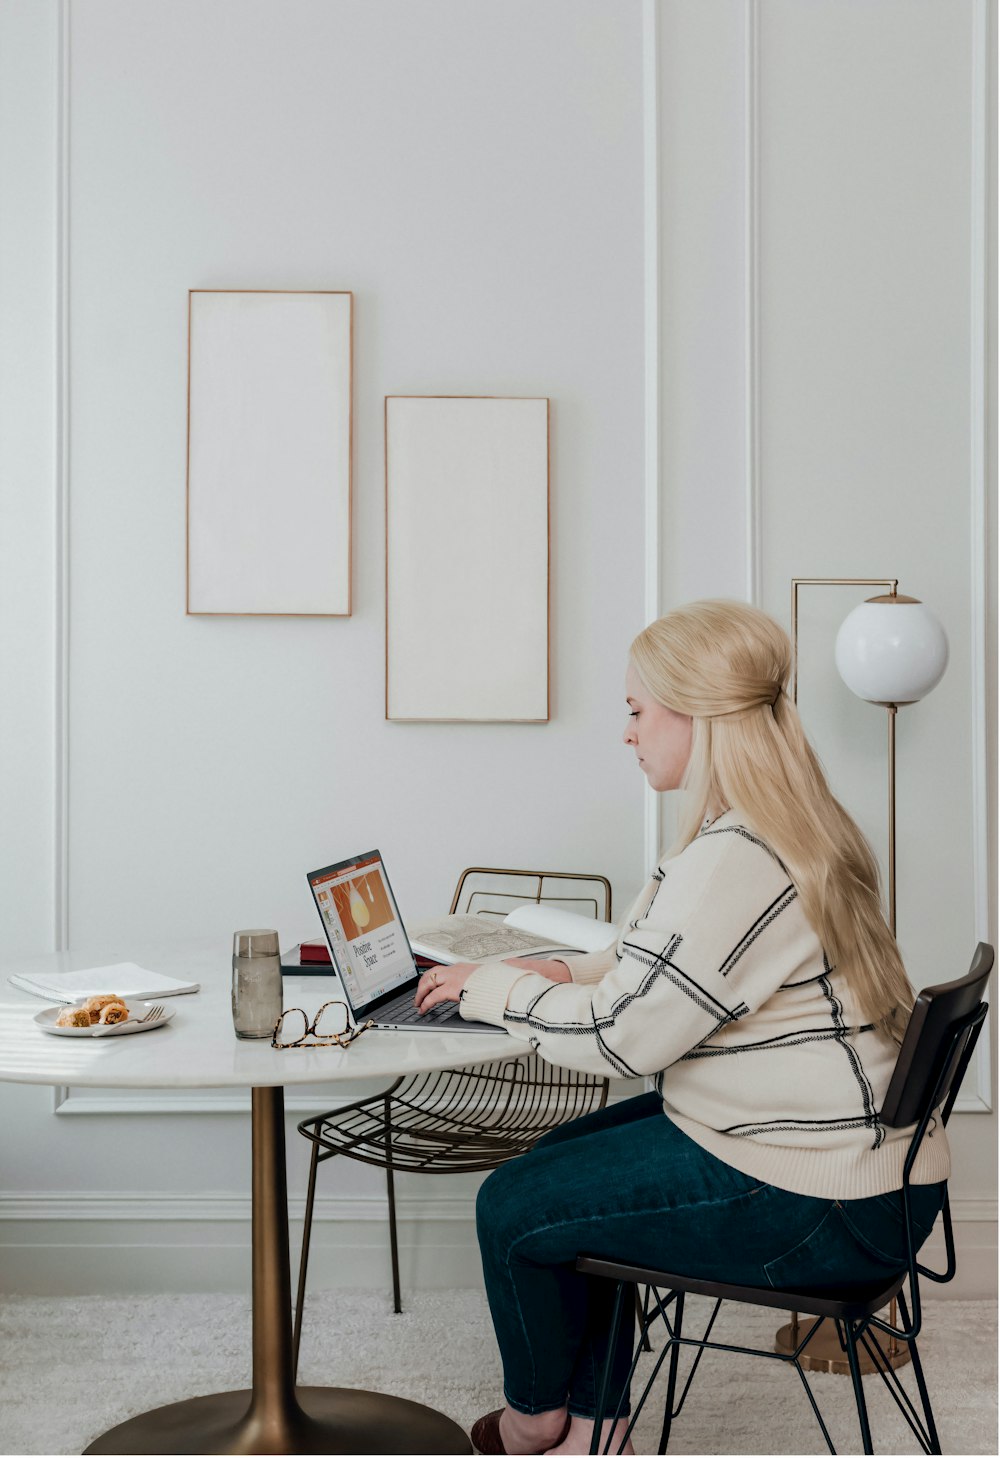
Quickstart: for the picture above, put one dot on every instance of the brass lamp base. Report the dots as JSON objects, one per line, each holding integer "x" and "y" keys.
{"x": 329, "y": 1420}
{"x": 823, "y": 1352}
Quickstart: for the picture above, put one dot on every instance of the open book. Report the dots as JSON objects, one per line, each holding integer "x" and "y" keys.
{"x": 529, "y": 931}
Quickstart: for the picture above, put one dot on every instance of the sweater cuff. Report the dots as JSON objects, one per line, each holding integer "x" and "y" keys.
{"x": 587, "y": 968}
{"x": 484, "y": 996}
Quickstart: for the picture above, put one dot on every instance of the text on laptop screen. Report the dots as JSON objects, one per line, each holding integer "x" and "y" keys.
{"x": 363, "y": 928}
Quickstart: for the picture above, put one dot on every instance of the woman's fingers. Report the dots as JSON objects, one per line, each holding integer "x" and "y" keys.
{"x": 440, "y": 984}
{"x": 435, "y": 996}
{"x": 425, "y": 987}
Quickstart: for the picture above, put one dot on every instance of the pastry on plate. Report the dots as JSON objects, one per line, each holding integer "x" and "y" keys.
{"x": 93, "y": 1005}
{"x": 73, "y": 1017}
{"x": 113, "y": 1012}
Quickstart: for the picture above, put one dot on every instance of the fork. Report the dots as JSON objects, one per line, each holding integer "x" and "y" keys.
{"x": 150, "y": 1016}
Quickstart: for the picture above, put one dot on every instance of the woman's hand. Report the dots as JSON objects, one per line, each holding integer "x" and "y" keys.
{"x": 550, "y": 967}
{"x": 442, "y": 984}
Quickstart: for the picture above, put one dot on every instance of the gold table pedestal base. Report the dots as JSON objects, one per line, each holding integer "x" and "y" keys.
{"x": 275, "y": 1416}
{"x": 329, "y": 1420}
{"x": 823, "y": 1352}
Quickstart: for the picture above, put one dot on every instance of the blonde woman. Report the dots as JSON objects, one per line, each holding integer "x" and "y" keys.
{"x": 758, "y": 982}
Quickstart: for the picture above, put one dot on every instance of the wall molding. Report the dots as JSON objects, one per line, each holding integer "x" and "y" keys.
{"x": 653, "y": 516}
{"x": 751, "y": 290}
{"x": 76, "y": 1101}
{"x": 979, "y": 277}
{"x": 72, "y": 1243}
{"x": 132, "y": 1206}
{"x": 60, "y": 884}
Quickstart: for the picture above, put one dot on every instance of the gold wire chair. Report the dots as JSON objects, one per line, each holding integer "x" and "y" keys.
{"x": 462, "y": 1120}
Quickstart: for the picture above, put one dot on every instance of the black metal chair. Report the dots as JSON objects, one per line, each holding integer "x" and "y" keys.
{"x": 935, "y": 1052}
{"x": 459, "y": 1121}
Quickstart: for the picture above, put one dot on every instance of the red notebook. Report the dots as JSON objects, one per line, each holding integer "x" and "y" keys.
{"x": 316, "y": 951}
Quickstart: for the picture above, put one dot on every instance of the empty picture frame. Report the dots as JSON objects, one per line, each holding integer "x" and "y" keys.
{"x": 269, "y": 453}
{"x": 467, "y": 558}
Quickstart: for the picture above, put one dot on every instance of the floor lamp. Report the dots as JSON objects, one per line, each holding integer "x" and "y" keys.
{"x": 890, "y": 651}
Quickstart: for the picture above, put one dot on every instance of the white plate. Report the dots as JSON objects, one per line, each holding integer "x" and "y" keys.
{"x": 46, "y": 1020}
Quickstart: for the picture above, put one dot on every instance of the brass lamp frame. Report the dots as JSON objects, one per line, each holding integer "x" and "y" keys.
{"x": 825, "y": 1351}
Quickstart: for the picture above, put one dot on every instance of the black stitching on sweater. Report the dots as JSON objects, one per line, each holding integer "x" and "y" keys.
{"x": 782, "y": 1040}
{"x": 746, "y": 1131}
{"x": 647, "y": 958}
{"x": 777, "y": 906}
{"x": 867, "y": 1096}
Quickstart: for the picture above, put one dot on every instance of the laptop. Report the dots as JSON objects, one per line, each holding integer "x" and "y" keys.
{"x": 371, "y": 951}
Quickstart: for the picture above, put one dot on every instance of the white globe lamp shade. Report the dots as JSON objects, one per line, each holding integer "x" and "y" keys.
{"x": 891, "y": 650}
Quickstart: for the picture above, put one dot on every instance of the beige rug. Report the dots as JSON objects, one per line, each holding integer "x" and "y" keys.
{"x": 71, "y": 1367}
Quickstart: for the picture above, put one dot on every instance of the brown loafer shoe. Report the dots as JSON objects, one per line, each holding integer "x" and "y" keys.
{"x": 486, "y": 1437}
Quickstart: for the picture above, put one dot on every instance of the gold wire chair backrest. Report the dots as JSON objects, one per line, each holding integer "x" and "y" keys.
{"x": 599, "y": 889}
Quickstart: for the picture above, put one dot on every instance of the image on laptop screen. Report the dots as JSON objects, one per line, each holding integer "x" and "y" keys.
{"x": 363, "y": 927}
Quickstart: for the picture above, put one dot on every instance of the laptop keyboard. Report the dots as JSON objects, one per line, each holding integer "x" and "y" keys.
{"x": 404, "y": 1010}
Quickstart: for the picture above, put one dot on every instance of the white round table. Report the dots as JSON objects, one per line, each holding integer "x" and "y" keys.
{"x": 198, "y": 1049}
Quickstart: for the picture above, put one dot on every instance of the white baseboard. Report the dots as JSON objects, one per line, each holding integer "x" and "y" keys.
{"x": 70, "y": 1243}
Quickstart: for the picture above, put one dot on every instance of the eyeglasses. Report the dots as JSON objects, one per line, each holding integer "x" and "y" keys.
{"x": 332, "y": 1024}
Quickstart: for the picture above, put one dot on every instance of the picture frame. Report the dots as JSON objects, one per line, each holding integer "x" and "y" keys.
{"x": 467, "y": 558}
{"x": 270, "y": 451}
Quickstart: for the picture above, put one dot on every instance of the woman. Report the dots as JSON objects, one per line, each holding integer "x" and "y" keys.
{"x": 757, "y": 980}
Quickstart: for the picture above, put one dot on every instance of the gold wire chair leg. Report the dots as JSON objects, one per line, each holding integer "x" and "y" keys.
{"x": 397, "y": 1305}
{"x": 300, "y": 1295}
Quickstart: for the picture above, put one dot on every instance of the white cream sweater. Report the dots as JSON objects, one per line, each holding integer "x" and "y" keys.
{"x": 719, "y": 987}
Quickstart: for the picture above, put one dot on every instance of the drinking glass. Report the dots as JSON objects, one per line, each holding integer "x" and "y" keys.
{"x": 256, "y": 983}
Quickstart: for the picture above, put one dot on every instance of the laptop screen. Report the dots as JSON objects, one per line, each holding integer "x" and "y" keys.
{"x": 367, "y": 940}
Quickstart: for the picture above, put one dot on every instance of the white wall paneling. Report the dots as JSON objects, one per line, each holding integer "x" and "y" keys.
{"x": 31, "y": 437}
{"x": 652, "y": 828}
{"x": 794, "y": 217}
{"x": 706, "y": 101}
{"x": 159, "y": 800}
{"x": 62, "y": 492}
{"x": 93, "y": 1243}
{"x": 824, "y": 394}
{"x": 751, "y": 298}
{"x": 872, "y": 217}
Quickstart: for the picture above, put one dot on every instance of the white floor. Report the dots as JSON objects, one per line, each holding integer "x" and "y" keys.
{"x": 71, "y": 1367}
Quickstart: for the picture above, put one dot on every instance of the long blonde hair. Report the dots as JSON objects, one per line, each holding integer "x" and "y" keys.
{"x": 727, "y": 664}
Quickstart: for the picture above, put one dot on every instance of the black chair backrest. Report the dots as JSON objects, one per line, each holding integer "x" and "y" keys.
{"x": 928, "y": 1043}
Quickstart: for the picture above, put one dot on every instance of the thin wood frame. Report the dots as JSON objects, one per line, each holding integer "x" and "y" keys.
{"x": 485, "y": 649}
{"x": 316, "y": 568}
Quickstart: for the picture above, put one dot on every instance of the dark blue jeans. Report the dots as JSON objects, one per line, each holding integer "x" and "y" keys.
{"x": 627, "y": 1185}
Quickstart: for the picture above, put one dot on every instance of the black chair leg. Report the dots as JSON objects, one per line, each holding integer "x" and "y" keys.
{"x": 918, "y": 1372}
{"x": 300, "y": 1295}
{"x": 675, "y": 1352}
{"x": 641, "y": 1310}
{"x": 859, "y": 1391}
{"x": 391, "y": 1191}
{"x": 602, "y": 1400}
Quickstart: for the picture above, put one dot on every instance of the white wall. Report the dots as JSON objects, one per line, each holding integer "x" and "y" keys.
{"x": 475, "y": 174}
{"x": 827, "y": 374}
{"x": 872, "y": 415}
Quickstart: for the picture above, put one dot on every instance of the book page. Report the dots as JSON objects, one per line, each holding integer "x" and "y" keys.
{"x": 475, "y": 938}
